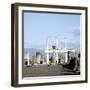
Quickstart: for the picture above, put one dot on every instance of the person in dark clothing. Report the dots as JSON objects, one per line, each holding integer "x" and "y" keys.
{"x": 26, "y": 63}
{"x": 71, "y": 64}
{"x": 51, "y": 59}
{"x": 59, "y": 60}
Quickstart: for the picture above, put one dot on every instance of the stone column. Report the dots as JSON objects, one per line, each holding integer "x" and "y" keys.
{"x": 28, "y": 58}
{"x": 47, "y": 52}
{"x": 47, "y": 57}
{"x": 56, "y": 43}
{"x": 66, "y": 57}
{"x": 57, "y": 57}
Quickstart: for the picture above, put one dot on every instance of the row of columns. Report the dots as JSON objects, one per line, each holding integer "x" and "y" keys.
{"x": 56, "y": 55}
{"x": 55, "y": 51}
{"x": 47, "y": 51}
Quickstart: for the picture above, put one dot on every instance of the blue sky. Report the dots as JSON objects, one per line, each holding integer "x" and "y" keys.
{"x": 39, "y": 26}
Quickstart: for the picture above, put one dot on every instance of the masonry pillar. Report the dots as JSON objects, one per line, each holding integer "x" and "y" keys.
{"x": 66, "y": 57}
{"x": 47, "y": 58}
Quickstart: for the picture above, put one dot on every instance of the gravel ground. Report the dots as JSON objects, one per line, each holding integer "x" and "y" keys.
{"x": 45, "y": 70}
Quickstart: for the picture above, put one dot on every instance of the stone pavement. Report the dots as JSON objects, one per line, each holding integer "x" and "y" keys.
{"x": 45, "y": 70}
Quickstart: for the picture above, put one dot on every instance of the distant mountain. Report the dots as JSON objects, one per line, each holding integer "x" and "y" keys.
{"x": 33, "y": 51}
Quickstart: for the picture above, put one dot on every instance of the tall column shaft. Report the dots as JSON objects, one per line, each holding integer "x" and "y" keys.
{"x": 28, "y": 59}
{"x": 57, "y": 43}
{"x": 47, "y": 57}
{"x": 66, "y": 58}
{"x": 57, "y": 57}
